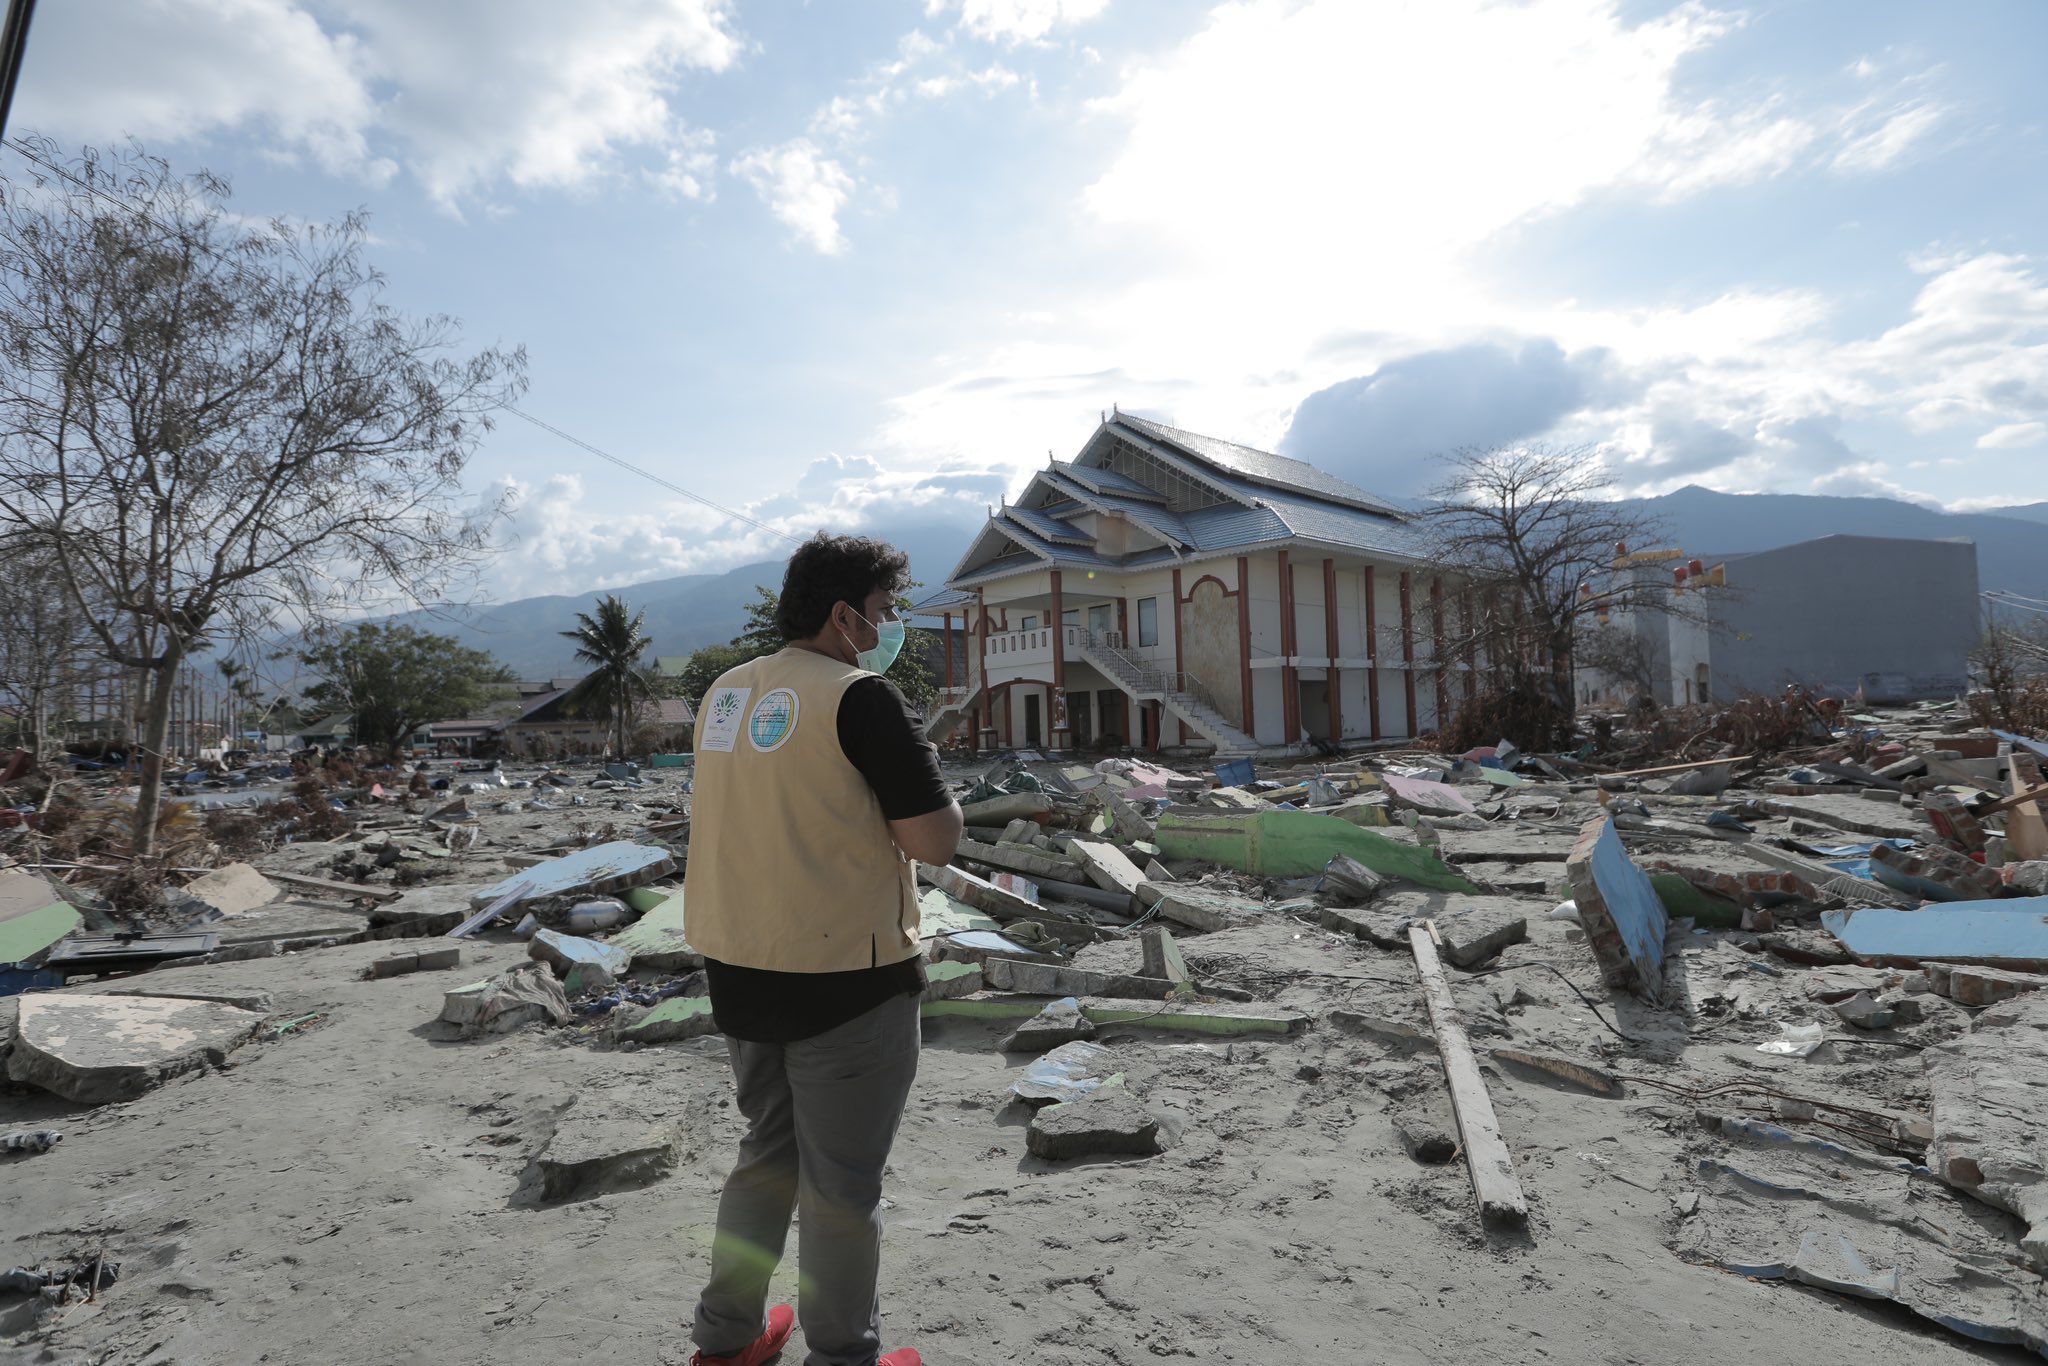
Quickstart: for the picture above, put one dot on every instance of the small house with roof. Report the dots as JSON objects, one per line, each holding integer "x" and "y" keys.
{"x": 1166, "y": 589}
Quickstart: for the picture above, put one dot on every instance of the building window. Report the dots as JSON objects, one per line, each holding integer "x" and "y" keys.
{"x": 1148, "y": 621}
{"x": 1027, "y": 623}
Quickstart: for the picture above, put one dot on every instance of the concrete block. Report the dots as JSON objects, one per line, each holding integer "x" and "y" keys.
{"x": 656, "y": 940}
{"x": 1060, "y": 1022}
{"x": 607, "y": 1145}
{"x": 528, "y": 994}
{"x": 1109, "y": 1121}
{"x": 1935, "y": 873}
{"x": 564, "y": 951}
{"x": 950, "y": 980}
{"x": 1425, "y": 1140}
{"x": 101, "y": 1048}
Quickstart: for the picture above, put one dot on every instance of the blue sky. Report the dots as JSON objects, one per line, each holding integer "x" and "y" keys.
{"x": 863, "y": 265}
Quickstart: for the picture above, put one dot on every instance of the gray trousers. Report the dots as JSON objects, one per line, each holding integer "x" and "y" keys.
{"x": 822, "y": 1115}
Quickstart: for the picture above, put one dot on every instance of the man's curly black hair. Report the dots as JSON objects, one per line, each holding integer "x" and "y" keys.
{"x": 829, "y": 569}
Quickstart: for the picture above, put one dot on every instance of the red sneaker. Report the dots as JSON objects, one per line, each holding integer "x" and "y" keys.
{"x": 902, "y": 1356}
{"x": 781, "y": 1323}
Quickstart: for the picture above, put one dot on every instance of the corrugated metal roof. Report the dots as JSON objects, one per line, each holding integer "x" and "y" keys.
{"x": 1261, "y": 467}
{"x": 1166, "y": 525}
{"x": 1227, "y": 525}
{"x": 1108, "y": 481}
{"x": 940, "y": 601}
{"x": 1050, "y": 528}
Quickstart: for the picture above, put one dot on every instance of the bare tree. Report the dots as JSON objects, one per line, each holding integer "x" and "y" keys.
{"x": 215, "y": 428}
{"x": 1537, "y": 549}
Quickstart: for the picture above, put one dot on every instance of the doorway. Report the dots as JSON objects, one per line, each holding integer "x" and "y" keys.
{"x": 1315, "y": 708}
{"x": 1032, "y": 732}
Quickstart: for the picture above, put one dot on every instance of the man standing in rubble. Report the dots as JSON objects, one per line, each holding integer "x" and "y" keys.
{"x": 815, "y": 789}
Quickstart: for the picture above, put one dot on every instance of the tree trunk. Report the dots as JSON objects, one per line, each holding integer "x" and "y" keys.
{"x": 156, "y": 728}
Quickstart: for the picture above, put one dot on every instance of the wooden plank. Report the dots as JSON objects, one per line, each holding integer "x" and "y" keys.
{"x": 1678, "y": 768}
{"x": 1107, "y": 867}
{"x": 2020, "y": 797}
{"x": 2026, "y": 835}
{"x": 349, "y": 891}
{"x": 1486, "y": 1155}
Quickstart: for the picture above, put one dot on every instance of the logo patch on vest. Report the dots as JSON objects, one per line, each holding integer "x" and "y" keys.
{"x": 772, "y": 721}
{"x": 723, "y": 712}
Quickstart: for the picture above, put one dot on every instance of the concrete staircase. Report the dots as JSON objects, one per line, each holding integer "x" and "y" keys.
{"x": 1181, "y": 695}
{"x": 950, "y": 709}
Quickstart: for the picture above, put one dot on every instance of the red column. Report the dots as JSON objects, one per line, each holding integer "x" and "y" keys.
{"x": 1056, "y": 696}
{"x": 1179, "y": 656}
{"x": 1372, "y": 652}
{"x": 1408, "y": 645}
{"x": 1336, "y": 682}
{"x": 985, "y": 714}
{"x": 1244, "y": 637}
{"x": 949, "y": 649}
{"x": 1290, "y": 688}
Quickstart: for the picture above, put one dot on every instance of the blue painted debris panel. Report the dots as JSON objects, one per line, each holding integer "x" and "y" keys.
{"x": 1634, "y": 906}
{"x": 1995, "y": 933}
{"x": 610, "y": 867}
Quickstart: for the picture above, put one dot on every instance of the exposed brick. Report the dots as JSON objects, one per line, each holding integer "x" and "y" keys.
{"x": 1989, "y": 986}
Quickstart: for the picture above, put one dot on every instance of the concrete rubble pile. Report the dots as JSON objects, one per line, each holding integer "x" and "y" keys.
{"x": 1829, "y": 963}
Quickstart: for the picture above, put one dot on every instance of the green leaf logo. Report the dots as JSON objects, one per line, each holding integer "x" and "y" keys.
{"x": 726, "y": 705}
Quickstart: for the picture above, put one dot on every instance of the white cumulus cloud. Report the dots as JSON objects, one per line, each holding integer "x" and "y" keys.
{"x": 1018, "y": 21}
{"x": 803, "y": 188}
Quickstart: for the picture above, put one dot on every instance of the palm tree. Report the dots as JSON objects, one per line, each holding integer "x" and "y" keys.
{"x": 613, "y": 641}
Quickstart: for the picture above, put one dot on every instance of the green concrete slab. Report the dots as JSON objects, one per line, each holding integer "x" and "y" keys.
{"x": 656, "y": 939}
{"x": 680, "y": 1017}
{"x": 1296, "y": 844}
{"x": 32, "y": 917}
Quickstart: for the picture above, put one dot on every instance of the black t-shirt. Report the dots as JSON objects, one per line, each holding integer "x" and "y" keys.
{"x": 883, "y": 737}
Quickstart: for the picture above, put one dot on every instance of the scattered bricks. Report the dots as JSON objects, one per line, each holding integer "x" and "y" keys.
{"x": 1624, "y": 921}
{"x": 1952, "y": 821}
{"x": 426, "y": 960}
{"x": 1988, "y": 986}
{"x": 1743, "y": 887}
{"x": 1935, "y": 873}
{"x": 1424, "y": 1139}
{"x": 1759, "y": 919}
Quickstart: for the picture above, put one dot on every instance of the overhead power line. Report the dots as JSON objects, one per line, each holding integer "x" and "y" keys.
{"x": 670, "y": 485}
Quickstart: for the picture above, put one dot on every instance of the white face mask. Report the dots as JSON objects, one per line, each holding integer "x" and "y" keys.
{"x": 888, "y": 644}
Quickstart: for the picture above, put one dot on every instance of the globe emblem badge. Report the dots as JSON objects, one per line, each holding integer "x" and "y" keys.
{"x": 772, "y": 721}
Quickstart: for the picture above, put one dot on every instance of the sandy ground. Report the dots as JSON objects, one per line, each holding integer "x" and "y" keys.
{"x": 354, "y": 1194}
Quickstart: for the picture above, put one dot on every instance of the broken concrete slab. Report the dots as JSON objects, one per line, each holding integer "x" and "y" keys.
{"x": 1015, "y": 858}
{"x": 977, "y": 892}
{"x": 1205, "y": 909}
{"x": 1624, "y": 920}
{"x": 1426, "y": 797}
{"x": 1163, "y": 958}
{"x": 1061, "y": 1022}
{"x": 601, "y": 869}
{"x": 1224, "y": 1018}
{"x": 230, "y": 890}
{"x": 1863, "y": 1011}
{"x": 604, "y": 1145}
{"x": 1472, "y": 928}
{"x": 657, "y": 940}
{"x": 1297, "y": 844}
{"x": 1059, "y": 979}
{"x": 1990, "y": 1090}
{"x": 94, "y": 1049}
{"x": 1846, "y": 812}
{"x": 418, "y": 960}
{"x": 1398, "y": 1032}
{"x": 1584, "y": 1076}
{"x": 678, "y": 1018}
{"x": 1108, "y": 1122}
{"x": 177, "y": 987}
{"x": 564, "y": 951}
{"x": 948, "y": 980}
{"x": 2004, "y": 934}
{"x": 1107, "y": 866}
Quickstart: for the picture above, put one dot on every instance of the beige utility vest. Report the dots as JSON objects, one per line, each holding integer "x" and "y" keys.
{"x": 791, "y": 865}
